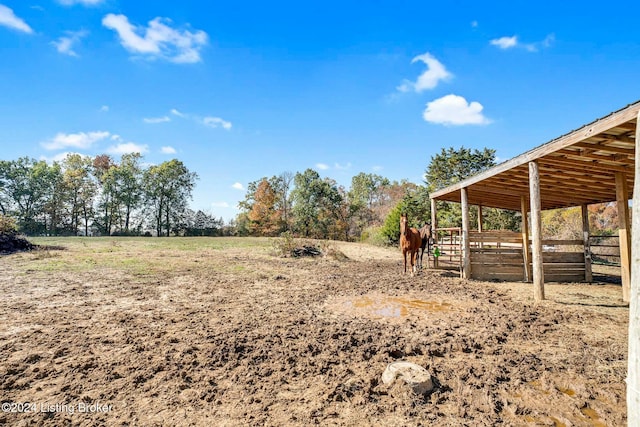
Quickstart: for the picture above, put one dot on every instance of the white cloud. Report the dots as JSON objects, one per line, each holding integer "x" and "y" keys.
{"x": 80, "y": 140}
{"x": 65, "y": 44}
{"x": 548, "y": 41}
{"x": 505, "y": 42}
{"x": 322, "y": 166}
{"x": 215, "y": 122}
{"x": 220, "y": 205}
{"x": 104, "y": 108}
{"x": 377, "y": 168}
{"x": 82, "y": 2}
{"x": 238, "y": 186}
{"x": 116, "y": 137}
{"x": 58, "y": 157}
{"x": 455, "y": 110}
{"x": 128, "y": 147}
{"x": 158, "y": 40}
{"x": 10, "y": 20}
{"x": 178, "y": 113}
{"x": 346, "y": 166}
{"x": 168, "y": 150}
{"x": 429, "y": 79}
{"x": 154, "y": 120}
{"x": 513, "y": 42}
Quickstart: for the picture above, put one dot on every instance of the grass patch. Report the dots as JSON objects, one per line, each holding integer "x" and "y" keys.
{"x": 139, "y": 256}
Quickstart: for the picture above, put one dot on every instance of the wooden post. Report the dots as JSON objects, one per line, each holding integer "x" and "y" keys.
{"x": 622, "y": 198}
{"x": 434, "y": 229}
{"x": 526, "y": 255}
{"x": 633, "y": 367}
{"x": 434, "y": 216}
{"x": 480, "y": 218}
{"x": 588, "y": 274}
{"x": 466, "y": 248}
{"x": 536, "y": 231}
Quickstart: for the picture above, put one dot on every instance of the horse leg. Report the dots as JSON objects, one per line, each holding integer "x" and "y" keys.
{"x": 413, "y": 256}
{"x": 404, "y": 254}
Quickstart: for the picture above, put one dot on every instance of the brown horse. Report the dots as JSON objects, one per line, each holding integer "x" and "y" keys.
{"x": 410, "y": 241}
{"x": 426, "y": 234}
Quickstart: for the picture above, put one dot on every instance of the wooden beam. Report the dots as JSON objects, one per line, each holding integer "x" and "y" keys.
{"x": 466, "y": 248}
{"x": 607, "y": 148}
{"x": 633, "y": 359}
{"x": 526, "y": 255}
{"x": 480, "y": 218}
{"x": 624, "y": 230}
{"x": 554, "y": 178}
{"x": 588, "y": 275}
{"x": 598, "y": 163}
{"x": 572, "y": 195}
{"x": 536, "y": 232}
{"x": 546, "y": 163}
{"x": 576, "y": 160}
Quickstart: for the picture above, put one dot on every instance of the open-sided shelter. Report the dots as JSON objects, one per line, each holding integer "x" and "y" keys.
{"x": 592, "y": 164}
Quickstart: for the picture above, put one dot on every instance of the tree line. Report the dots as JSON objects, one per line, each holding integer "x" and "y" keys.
{"x": 99, "y": 195}
{"x": 308, "y": 205}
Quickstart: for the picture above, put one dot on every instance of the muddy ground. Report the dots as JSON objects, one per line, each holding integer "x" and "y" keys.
{"x": 140, "y": 332}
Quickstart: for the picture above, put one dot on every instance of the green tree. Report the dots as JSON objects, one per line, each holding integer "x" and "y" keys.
{"x": 54, "y": 210}
{"x": 451, "y": 166}
{"x": 168, "y": 187}
{"x": 107, "y": 203}
{"x": 316, "y": 205}
{"x": 80, "y": 190}
{"x": 127, "y": 177}
{"x": 26, "y": 186}
{"x": 367, "y": 193}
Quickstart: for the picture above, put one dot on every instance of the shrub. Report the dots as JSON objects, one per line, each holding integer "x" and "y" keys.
{"x": 8, "y": 226}
{"x": 284, "y": 245}
{"x": 375, "y": 236}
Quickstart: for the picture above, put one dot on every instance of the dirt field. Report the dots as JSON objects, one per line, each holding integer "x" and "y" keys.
{"x": 218, "y": 331}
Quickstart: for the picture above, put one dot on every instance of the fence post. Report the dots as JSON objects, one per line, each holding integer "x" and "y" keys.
{"x": 588, "y": 274}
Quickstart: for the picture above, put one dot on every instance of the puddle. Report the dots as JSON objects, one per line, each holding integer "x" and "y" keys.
{"x": 395, "y": 306}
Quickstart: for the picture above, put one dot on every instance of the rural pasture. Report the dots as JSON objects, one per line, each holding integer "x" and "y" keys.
{"x": 220, "y": 331}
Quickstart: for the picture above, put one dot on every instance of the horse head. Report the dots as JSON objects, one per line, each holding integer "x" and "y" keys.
{"x": 404, "y": 226}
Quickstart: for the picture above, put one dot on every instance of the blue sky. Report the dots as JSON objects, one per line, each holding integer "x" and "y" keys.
{"x": 241, "y": 90}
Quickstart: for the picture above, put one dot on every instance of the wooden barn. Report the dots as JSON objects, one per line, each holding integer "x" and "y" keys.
{"x": 593, "y": 164}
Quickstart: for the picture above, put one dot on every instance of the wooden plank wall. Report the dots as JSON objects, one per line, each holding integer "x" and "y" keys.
{"x": 497, "y": 255}
{"x": 562, "y": 264}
